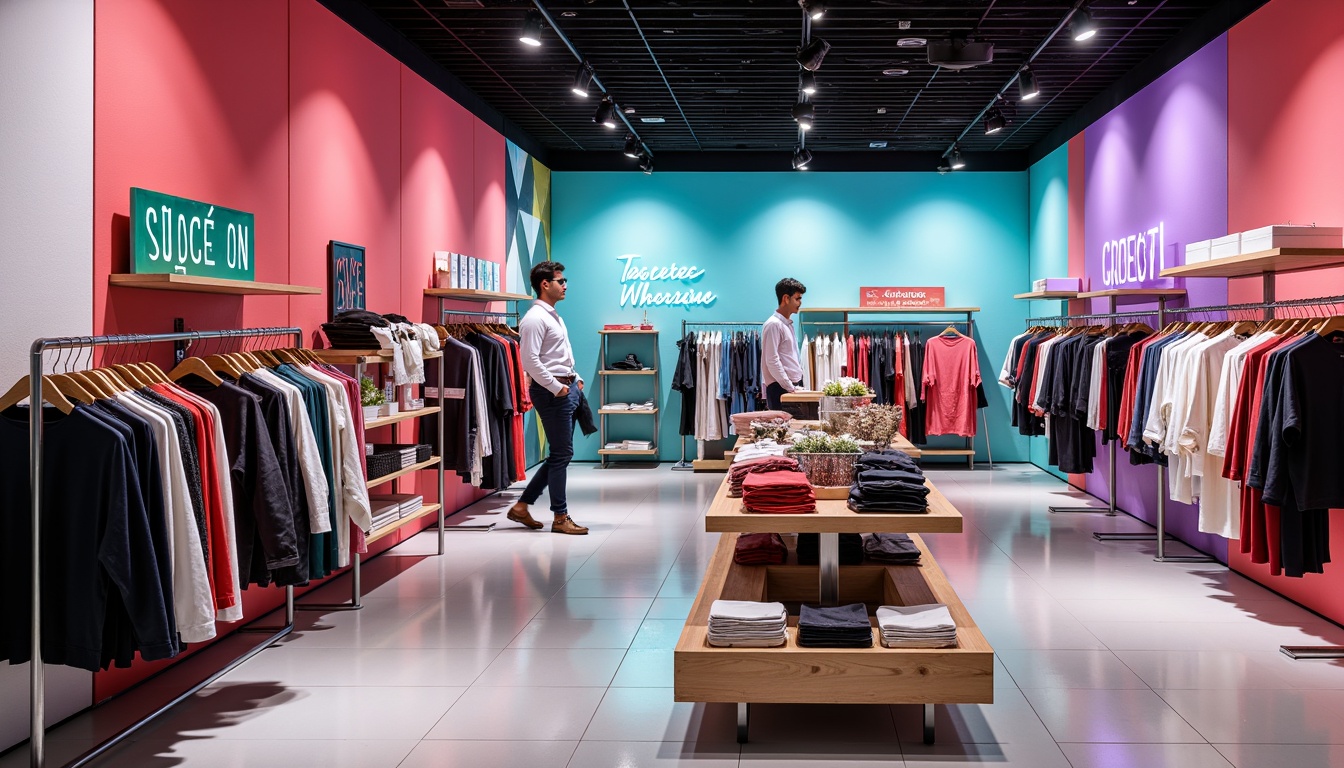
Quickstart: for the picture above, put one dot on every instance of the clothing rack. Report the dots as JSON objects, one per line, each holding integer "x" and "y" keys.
{"x": 502, "y": 317}
{"x": 682, "y": 464}
{"x": 37, "y": 677}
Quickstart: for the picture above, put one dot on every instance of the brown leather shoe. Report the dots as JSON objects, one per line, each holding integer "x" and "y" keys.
{"x": 518, "y": 513}
{"x": 566, "y": 524}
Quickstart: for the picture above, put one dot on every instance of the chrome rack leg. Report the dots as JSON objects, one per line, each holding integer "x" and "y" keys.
{"x": 355, "y": 593}
{"x": 743, "y": 720}
{"x": 1299, "y": 652}
{"x": 1109, "y": 509}
{"x": 1162, "y": 537}
{"x": 828, "y": 570}
{"x": 928, "y": 723}
{"x": 683, "y": 465}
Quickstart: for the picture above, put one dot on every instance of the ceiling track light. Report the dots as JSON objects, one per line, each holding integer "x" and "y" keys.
{"x": 955, "y": 161}
{"x": 807, "y": 83}
{"x": 583, "y": 79}
{"x": 1027, "y": 88}
{"x": 1082, "y": 26}
{"x": 531, "y": 33}
{"x": 813, "y": 8}
{"x": 994, "y": 121}
{"x": 811, "y": 55}
{"x": 646, "y": 164}
{"x": 801, "y": 157}
{"x": 606, "y": 113}
{"x": 632, "y": 146}
{"x": 805, "y": 113}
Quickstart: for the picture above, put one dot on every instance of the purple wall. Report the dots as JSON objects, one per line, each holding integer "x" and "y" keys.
{"x": 1156, "y": 179}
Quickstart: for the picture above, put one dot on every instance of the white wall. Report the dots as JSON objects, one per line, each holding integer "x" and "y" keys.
{"x": 46, "y": 222}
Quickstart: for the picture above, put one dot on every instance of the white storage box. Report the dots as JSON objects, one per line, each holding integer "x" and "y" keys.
{"x": 1226, "y": 246}
{"x": 1197, "y": 252}
{"x": 1282, "y": 236}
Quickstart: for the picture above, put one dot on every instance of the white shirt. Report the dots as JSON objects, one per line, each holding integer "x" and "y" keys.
{"x": 352, "y": 500}
{"x": 315, "y": 486}
{"x": 1006, "y": 372}
{"x": 805, "y": 352}
{"x": 1094, "y": 384}
{"x": 779, "y": 353}
{"x": 545, "y": 347}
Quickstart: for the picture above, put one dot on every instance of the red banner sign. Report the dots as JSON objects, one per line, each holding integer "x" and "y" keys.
{"x": 901, "y": 297}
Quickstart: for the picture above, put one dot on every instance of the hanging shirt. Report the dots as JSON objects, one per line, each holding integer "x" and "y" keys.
{"x": 951, "y": 374}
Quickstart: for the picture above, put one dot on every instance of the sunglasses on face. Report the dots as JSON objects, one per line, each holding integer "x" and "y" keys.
{"x": 561, "y": 281}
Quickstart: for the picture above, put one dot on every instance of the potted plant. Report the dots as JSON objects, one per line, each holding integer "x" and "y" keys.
{"x": 843, "y": 395}
{"x": 371, "y": 397}
{"x": 827, "y": 461}
{"x": 870, "y": 424}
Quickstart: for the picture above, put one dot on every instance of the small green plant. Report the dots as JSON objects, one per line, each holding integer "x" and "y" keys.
{"x": 370, "y": 393}
{"x": 825, "y": 444}
{"x": 857, "y": 389}
{"x": 833, "y": 389}
{"x": 846, "y": 386}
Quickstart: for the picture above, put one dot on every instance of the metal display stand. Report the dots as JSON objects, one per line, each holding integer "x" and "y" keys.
{"x": 605, "y": 374}
{"x": 683, "y": 465}
{"x": 37, "y": 677}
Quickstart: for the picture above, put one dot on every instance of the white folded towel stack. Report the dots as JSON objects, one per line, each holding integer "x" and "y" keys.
{"x": 917, "y": 626}
{"x": 747, "y": 624}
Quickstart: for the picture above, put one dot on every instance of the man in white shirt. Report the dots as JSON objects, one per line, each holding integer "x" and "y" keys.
{"x": 556, "y": 389}
{"x": 780, "y": 370}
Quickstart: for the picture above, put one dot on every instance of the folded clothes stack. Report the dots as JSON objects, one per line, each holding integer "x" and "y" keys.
{"x": 916, "y": 626}
{"x": 809, "y": 549}
{"x": 888, "y": 481}
{"x": 844, "y": 626}
{"x": 742, "y": 421}
{"x": 778, "y": 493}
{"x": 747, "y": 624}
{"x": 890, "y": 548}
{"x": 739, "y": 471}
{"x": 760, "y": 549}
{"x": 760, "y": 449}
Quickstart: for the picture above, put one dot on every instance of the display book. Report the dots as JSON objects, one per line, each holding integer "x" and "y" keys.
{"x": 622, "y": 360}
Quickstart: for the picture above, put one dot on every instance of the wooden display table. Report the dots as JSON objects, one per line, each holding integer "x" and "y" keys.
{"x": 796, "y": 675}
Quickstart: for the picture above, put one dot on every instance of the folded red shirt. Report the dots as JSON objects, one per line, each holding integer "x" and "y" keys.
{"x": 739, "y": 471}
{"x": 760, "y": 549}
{"x": 778, "y": 493}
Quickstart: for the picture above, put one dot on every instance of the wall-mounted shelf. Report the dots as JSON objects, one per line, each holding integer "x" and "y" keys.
{"x": 889, "y": 310}
{"x": 383, "y": 421}
{"x": 1047, "y": 295}
{"x": 362, "y": 356}
{"x": 197, "y": 284}
{"x": 388, "y": 529}
{"x": 645, "y": 372}
{"x": 1115, "y": 293}
{"x": 610, "y": 333}
{"x": 623, "y": 452}
{"x": 1262, "y": 262}
{"x": 404, "y": 471}
{"x": 469, "y": 294}
{"x": 626, "y": 411}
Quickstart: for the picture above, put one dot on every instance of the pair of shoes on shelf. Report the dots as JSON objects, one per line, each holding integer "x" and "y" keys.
{"x": 647, "y": 405}
{"x": 630, "y": 363}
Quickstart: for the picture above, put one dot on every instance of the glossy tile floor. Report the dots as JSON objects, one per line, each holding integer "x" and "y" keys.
{"x": 528, "y": 649}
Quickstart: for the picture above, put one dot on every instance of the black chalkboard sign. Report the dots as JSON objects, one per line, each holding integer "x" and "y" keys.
{"x": 347, "y": 277}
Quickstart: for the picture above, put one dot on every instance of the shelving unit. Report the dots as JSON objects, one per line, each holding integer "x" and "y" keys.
{"x": 387, "y": 530}
{"x": 1262, "y": 263}
{"x": 1134, "y": 293}
{"x": 468, "y": 294}
{"x": 1047, "y": 295}
{"x": 602, "y": 377}
{"x": 793, "y": 674}
{"x": 397, "y": 418}
{"x": 197, "y": 284}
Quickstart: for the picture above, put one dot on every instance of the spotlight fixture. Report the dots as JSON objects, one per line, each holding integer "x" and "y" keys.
{"x": 814, "y": 8}
{"x": 811, "y": 55}
{"x": 804, "y": 113}
{"x": 606, "y": 113}
{"x": 531, "y": 34}
{"x": 1027, "y": 88}
{"x": 646, "y": 164}
{"x": 801, "y": 157}
{"x": 583, "y": 79}
{"x": 807, "y": 83}
{"x": 994, "y": 121}
{"x": 955, "y": 160}
{"x": 632, "y": 148}
{"x": 1081, "y": 26}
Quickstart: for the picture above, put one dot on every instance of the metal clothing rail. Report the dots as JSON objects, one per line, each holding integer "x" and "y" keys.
{"x": 37, "y": 677}
{"x": 682, "y": 464}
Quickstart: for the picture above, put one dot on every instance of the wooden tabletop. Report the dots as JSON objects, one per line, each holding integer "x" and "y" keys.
{"x": 832, "y": 516}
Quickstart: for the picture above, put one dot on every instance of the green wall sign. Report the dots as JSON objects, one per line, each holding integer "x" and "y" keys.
{"x": 176, "y": 235}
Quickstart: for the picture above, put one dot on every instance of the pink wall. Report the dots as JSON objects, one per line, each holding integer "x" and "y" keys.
{"x": 314, "y": 129}
{"x": 1284, "y": 166}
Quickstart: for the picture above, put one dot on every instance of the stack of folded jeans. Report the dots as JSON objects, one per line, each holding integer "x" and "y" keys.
{"x": 844, "y": 626}
{"x": 747, "y": 624}
{"x": 809, "y": 548}
{"x": 778, "y": 493}
{"x": 916, "y": 626}
{"x": 739, "y": 471}
{"x": 888, "y": 481}
{"x": 890, "y": 548}
{"x": 760, "y": 549}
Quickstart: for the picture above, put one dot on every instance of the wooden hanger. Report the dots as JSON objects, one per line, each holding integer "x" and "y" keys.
{"x": 953, "y": 329}
{"x": 51, "y": 393}
{"x": 197, "y": 366}
{"x": 1334, "y": 324}
{"x": 223, "y": 365}
{"x": 90, "y": 384}
{"x": 131, "y": 375}
{"x": 70, "y": 388}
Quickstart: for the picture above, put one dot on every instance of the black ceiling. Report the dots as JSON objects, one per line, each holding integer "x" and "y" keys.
{"x": 728, "y": 76}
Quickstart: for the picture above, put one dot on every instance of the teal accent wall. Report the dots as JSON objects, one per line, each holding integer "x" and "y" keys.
{"x": 1048, "y": 198}
{"x": 833, "y": 231}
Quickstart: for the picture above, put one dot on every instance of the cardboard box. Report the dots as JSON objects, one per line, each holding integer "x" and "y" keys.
{"x": 1197, "y": 252}
{"x": 1229, "y": 245}
{"x": 1284, "y": 236}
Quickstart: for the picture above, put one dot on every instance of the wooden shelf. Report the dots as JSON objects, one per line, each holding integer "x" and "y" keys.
{"x": 383, "y": 421}
{"x": 356, "y": 356}
{"x": 388, "y": 529}
{"x": 832, "y": 516}
{"x": 948, "y": 452}
{"x": 622, "y": 452}
{"x": 711, "y": 465}
{"x": 809, "y": 396}
{"x": 618, "y": 333}
{"x": 468, "y": 294}
{"x": 884, "y": 310}
{"x": 1133, "y": 293}
{"x": 1261, "y": 262}
{"x": 645, "y": 372}
{"x": 1046, "y": 295}
{"x": 196, "y": 284}
{"x": 619, "y": 412}
{"x": 404, "y": 471}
